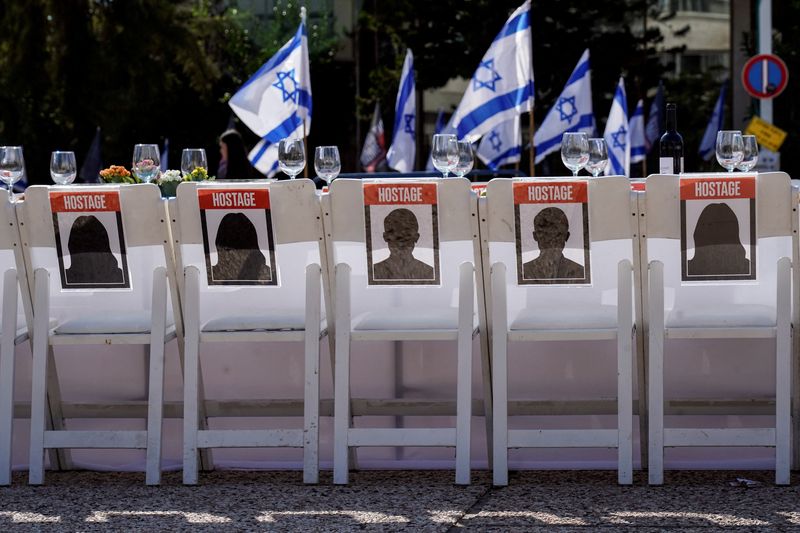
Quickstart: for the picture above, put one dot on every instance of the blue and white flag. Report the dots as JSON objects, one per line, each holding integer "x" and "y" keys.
{"x": 502, "y": 85}
{"x": 617, "y": 134}
{"x": 404, "y": 141}
{"x": 165, "y": 156}
{"x": 571, "y": 112}
{"x": 708, "y": 145}
{"x": 636, "y": 123}
{"x": 502, "y": 145}
{"x": 438, "y": 126}
{"x": 655, "y": 120}
{"x": 276, "y": 100}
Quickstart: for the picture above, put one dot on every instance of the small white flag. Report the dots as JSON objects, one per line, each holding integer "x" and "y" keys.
{"x": 404, "y": 143}
{"x": 502, "y": 145}
{"x": 617, "y": 134}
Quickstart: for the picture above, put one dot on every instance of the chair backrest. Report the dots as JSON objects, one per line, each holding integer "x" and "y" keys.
{"x": 100, "y": 245}
{"x": 561, "y": 239}
{"x": 251, "y": 242}
{"x": 404, "y": 240}
{"x": 11, "y": 258}
{"x": 719, "y": 236}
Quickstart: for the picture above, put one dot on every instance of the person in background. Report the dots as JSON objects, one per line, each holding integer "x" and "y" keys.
{"x": 233, "y": 164}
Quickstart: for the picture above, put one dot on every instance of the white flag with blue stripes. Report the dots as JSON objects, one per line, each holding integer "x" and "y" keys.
{"x": 617, "y": 134}
{"x": 571, "y": 112}
{"x": 276, "y": 100}
{"x": 638, "y": 142}
{"x": 708, "y": 146}
{"x": 404, "y": 144}
{"x": 502, "y": 85}
{"x": 502, "y": 145}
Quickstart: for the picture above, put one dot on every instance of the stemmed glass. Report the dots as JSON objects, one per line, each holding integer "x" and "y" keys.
{"x": 192, "y": 158}
{"x": 445, "y": 152}
{"x": 327, "y": 163}
{"x": 575, "y": 151}
{"x": 291, "y": 156}
{"x": 598, "y": 156}
{"x": 146, "y": 162}
{"x": 12, "y": 167}
{"x": 730, "y": 149}
{"x": 750, "y": 149}
{"x": 63, "y": 168}
{"x": 465, "y": 159}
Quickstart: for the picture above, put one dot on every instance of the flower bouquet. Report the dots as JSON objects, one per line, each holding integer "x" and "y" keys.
{"x": 169, "y": 180}
{"x": 117, "y": 174}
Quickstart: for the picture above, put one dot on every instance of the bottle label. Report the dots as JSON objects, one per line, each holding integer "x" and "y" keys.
{"x": 666, "y": 166}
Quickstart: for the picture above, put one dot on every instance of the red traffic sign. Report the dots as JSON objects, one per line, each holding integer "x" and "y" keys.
{"x": 765, "y": 76}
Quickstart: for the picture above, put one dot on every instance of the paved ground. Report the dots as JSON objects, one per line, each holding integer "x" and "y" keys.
{"x": 401, "y": 501}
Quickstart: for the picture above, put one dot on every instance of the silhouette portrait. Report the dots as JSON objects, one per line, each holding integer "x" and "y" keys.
{"x": 401, "y": 233}
{"x": 718, "y": 250}
{"x": 91, "y": 259}
{"x": 239, "y": 257}
{"x": 551, "y": 232}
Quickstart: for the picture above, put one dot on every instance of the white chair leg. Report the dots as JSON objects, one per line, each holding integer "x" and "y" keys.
{"x": 341, "y": 391}
{"x": 624, "y": 374}
{"x": 191, "y": 369}
{"x": 655, "y": 400}
{"x": 7, "y": 372}
{"x": 311, "y": 392}
{"x": 499, "y": 374}
{"x": 155, "y": 402}
{"x": 466, "y": 313}
{"x": 783, "y": 378}
{"x": 41, "y": 332}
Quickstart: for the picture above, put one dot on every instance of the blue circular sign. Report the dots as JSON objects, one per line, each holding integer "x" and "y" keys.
{"x": 765, "y": 76}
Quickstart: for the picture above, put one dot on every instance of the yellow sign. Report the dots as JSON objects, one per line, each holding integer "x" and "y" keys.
{"x": 769, "y": 136}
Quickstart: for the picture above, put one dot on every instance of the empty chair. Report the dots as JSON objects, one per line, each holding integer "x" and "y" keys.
{"x": 560, "y": 252}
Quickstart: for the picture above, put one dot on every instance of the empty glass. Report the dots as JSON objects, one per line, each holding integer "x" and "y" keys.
{"x": 465, "y": 159}
{"x": 192, "y": 158}
{"x": 146, "y": 162}
{"x": 598, "y": 156}
{"x": 730, "y": 149}
{"x": 291, "y": 156}
{"x": 12, "y": 167}
{"x": 575, "y": 151}
{"x": 750, "y": 157}
{"x": 63, "y": 168}
{"x": 444, "y": 152}
{"x": 327, "y": 163}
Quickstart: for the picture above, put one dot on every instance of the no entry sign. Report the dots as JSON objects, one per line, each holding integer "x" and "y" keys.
{"x": 765, "y": 76}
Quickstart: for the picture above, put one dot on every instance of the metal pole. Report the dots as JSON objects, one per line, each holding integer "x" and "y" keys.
{"x": 765, "y": 47}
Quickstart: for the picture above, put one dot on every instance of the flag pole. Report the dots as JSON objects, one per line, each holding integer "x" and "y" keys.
{"x": 305, "y": 147}
{"x": 532, "y": 148}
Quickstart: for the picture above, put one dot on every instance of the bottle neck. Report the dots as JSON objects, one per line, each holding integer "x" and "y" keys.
{"x": 672, "y": 121}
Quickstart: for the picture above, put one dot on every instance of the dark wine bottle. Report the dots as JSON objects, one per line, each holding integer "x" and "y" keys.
{"x": 670, "y": 147}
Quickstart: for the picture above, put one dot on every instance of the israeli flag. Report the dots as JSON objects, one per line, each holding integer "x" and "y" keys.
{"x": 708, "y": 145}
{"x": 655, "y": 118}
{"x": 276, "y": 100}
{"x": 502, "y": 85}
{"x": 638, "y": 142}
{"x": 502, "y": 145}
{"x": 404, "y": 144}
{"x": 571, "y": 112}
{"x": 617, "y": 135}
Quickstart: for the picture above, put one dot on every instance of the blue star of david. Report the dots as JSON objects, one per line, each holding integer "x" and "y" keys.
{"x": 618, "y": 138}
{"x": 281, "y": 84}
{"x": 493, "y": 76}
{"x": 409, "y": 124}
{"x": 566, "y": 108}
{"x": 494, "y": 140}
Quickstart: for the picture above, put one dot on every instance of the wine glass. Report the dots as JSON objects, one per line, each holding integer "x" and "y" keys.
{"x": 730, "y": 149}
{"x": 465, "y": 159}
{"x": 598, "y": 156}
{"x": 750, "y": 158}
{"x": 291, "y": 156}
{"x": 445, "y": 152}
{"x": 63, "y": 168}
{"x": 12, "y": 167}
{"x": 575, "y": 151}
{"x": 192, "y": 158}
{"x": 146, "y": 162}
{"x": 327, "y": 163}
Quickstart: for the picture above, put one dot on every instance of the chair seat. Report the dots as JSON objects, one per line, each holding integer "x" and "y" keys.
{"x": 122, "y": 322}
{"x": 566, "y": 318}
{"x": 396, "y": 318}
{"x": 722, "y": 316}
{"x": 293, "y": 320}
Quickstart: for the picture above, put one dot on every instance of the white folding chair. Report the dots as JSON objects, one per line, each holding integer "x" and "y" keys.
{"x": 98, "y": 257}
{"x": 719, "y": 290}
{"x": 583, "y": 294}
{"x": 381, "y": 299}
{"x": 227, "y": 299}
